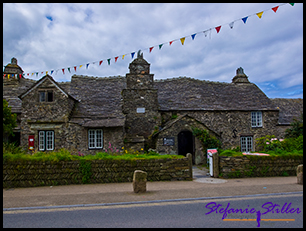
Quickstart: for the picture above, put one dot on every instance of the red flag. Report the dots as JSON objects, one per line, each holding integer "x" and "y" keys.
{"x": 218, "y": 28}
{"x": 63, "y": 70}
{"x": 116, "y": 58}
{"x": 170, "y": 43}
{"x": 100, "y": 62}
{"x": 75, "y": 68}
{"x": 151, "y": 48}
{"x": 275, "y": 9}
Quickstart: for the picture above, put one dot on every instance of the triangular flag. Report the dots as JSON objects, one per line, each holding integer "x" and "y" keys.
{"x": 182, "y": 40}
{"x": 20, "y": 76}
{"x": 218, "y": 28}
{"x": 32, "y": 74}
{"x": 75, "y": 68}
{"x": 192, "y": 36}
{"x": 170, "y": 42}
{"x": 160, "y": 46}
{"x": 150, "y": 49}
{"x": 292, "y": 4}
{"x": 116, "y": 58}
{"x": 108, "y": 60}
{"x": 36, "y": 74}
{"x": 123, "y": 56}
{"x": 205, "y": 33}
{"x": 4, "y": 76}
{"x": 63, "y": 70}
{"x": 69, "y": 69}
{"x": 245, "y": 19}
{"x": 231, "y": 25}
{"x": 81, "y": 66}
{"x": 46, "y": 72}
{"x": 100, "y": 62}
{"x": 87, "y": 65}
{"x": 259, "y": 14}
{"x": 275, "y": 9}
{"x": 52, "y": 72}
{"x": 8, "y": 76}
{"x": 132, "y": 54}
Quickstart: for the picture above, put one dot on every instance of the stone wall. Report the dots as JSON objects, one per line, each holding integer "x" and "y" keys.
{"x": 258, "y": 166}
{"x": 35, "y": 173}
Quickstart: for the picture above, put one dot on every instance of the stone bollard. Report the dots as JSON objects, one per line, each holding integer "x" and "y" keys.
{"x": 139, "y": 181}
{"x": 299, "y": 174}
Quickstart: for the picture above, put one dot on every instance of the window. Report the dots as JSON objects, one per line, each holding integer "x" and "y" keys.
{"x": 46, "y": 96}
{"x": 45, "y": 140}
{"x": 95, "y": 138}
{"x": 246, "y": 143}
{"x": 256, "y": 119}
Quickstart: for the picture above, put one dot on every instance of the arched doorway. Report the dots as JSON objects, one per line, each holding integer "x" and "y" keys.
{"x": 186, "y": 143}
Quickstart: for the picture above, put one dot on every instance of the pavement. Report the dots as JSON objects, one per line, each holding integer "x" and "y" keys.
{"x": 202, "y": 186}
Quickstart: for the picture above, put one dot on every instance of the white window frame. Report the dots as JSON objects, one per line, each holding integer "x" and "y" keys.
{"x": 256, "y": 119}
{"x": 246, "y": 143}
{"x": 46, "y": 140}
{"x": 95, "y": 138}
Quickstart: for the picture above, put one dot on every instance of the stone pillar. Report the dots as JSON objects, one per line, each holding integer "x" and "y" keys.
{"x": 215, "y": 164}
{"x": 189, "y": 156}
{"x": 299, "y": 174}
{"x": 139, "y": 181}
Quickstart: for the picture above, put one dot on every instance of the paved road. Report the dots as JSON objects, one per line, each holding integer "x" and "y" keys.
{"x": 182, "y": 213}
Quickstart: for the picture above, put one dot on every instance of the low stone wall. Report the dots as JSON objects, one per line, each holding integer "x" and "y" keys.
{"x": 258, "y": 166}
{"x": 34, "y": 173}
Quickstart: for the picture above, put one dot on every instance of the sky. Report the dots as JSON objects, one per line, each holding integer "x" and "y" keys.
{"x": 55, "y": 36}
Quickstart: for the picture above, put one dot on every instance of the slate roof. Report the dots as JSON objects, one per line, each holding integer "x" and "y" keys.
{"x": 99, "y": 98}
{"x": 192, "y": 94}
{"x": 289, "y": 109}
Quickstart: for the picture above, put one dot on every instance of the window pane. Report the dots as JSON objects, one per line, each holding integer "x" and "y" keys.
{"x": 50, "y": 140}
{"x": 99, "y": 139}
{"x": 42, "y": 97}
{"x": 41, "y": 140}
{"x": 50, "y": 96}
{"x": 91, "y": 138}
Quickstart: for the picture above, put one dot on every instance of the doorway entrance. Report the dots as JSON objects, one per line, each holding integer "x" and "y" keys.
{"x": 185, "y": 141}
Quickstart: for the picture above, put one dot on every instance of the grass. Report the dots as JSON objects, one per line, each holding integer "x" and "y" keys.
{"x": 16, "y": 154}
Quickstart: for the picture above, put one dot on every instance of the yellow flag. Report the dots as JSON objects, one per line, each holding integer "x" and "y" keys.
{"x": 123, "y": 56}
{"x": 259, "y": 14}
{"x": 182, "y": 40}
{"x": 46, "y": 72}
{"x": 80, "y": 66}
{"x": 8, "y": 76}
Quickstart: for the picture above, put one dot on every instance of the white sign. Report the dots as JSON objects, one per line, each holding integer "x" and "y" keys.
{"x": 140, "y": 110}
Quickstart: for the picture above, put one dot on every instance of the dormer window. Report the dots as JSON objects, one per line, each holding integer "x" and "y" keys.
{"x": 46, "y": 96}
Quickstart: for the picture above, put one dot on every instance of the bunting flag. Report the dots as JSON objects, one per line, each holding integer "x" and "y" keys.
{"x": 218, "y": 29}
{"x": 182, "y": 39}
{"x": 259, "y": 14}
{"x": 244, "y": 19}
{"x": 275, "y": 9}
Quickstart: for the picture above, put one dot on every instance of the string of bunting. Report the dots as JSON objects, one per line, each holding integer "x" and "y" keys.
{"x": 182, "y": 40}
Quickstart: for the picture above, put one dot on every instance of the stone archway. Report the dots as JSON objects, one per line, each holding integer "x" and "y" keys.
{"x": 185, "y": 140}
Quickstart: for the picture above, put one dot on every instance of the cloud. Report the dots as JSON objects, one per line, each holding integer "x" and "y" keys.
{"x": 45, "y": 37}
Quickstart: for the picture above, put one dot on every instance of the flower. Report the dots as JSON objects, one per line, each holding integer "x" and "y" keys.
{"x": 281, "y": 140}
{"x": 267, "y": 143}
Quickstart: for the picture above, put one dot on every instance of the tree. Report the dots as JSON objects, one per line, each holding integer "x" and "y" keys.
{"x": 9, "y": 120}
{"x": 296, "y": 128}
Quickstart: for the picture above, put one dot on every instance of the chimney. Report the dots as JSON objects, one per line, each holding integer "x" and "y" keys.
{"x": 240, "y": 77}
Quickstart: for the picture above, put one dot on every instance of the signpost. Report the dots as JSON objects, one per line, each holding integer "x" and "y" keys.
{"x": 210, "y": 153}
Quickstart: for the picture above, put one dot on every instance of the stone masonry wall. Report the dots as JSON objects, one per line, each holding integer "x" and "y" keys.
{"x": 258, "y": 166}
{"x": 35, "y": 173}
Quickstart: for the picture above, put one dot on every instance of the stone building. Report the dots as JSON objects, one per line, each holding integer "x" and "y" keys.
{"x": 90, "y": 114}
